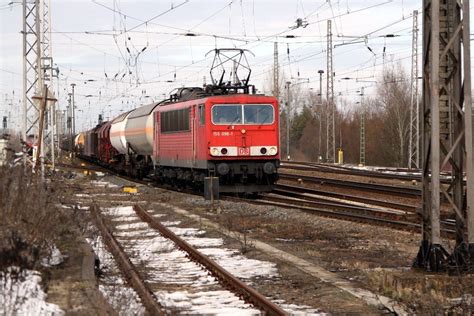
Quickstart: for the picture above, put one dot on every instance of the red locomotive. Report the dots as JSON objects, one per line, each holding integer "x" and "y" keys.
{"x": 222, "y": 130}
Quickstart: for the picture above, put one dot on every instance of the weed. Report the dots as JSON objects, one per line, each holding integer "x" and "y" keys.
{"x": 30, "y": 221}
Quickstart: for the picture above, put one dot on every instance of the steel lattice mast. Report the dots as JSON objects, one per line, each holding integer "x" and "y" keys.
{"x": 276, "y": 73}
{"x": 362, "y": 129}
{"x": 447, "y": 134}
{"x": 330, "y": 106}
{"x": 37, "y": 71}
{"x": 31, "y": 65}
{"x": 414, "y": 137}
{"x": 47, "y": 76}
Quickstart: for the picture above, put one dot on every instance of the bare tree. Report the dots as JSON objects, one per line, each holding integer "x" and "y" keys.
{"x": 393, "y": 95}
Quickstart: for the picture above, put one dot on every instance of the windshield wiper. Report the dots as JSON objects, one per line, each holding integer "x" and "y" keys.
{"x": 258, "y": 112}
{"x": 234, "y": 120}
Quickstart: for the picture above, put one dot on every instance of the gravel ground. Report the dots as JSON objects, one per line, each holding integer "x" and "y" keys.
{"x": 374, "y": 258}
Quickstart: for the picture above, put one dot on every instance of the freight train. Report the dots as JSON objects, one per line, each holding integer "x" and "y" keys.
{"x": 193, "y": 135}
{"x": 223, "y": 130}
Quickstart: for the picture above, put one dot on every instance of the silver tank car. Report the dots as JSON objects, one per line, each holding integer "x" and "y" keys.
{"x": 139, "y": 130}
{"x": 117, "y": 133}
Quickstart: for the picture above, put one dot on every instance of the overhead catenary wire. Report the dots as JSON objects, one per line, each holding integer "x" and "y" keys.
{"x": 299, "y": 56}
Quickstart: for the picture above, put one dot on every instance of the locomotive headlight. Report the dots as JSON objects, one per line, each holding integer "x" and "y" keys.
{"x": 224, "y": 151}
{"x": 272, "y": 151}
{"x": 214, "y": 151}
{"x": 263, "y": 150}
{"x": 243, "y": 131}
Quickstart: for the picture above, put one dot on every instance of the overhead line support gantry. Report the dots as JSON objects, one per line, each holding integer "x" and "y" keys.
{"x": 447, "y": 127}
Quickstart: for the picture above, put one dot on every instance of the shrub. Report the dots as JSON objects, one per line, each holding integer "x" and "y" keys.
{"x": 30, "y": 222}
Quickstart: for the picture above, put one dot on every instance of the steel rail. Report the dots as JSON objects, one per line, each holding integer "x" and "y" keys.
{"x": 344, "y": 215}
{"x": 413, "y": 173}
{"x": 447, "y": 225}
{"x": 345, "y": 196}
{"x": 392, "y": 189}
{"x": 447, "y": 230}
{"x": 60, "y": 165}
{"x": 127, "y": 268}
{"x": 338, "y": 206}
{"x": 249, "y": 294}
{"x": 390, "y": 175}
{"x": 360, "y": 173}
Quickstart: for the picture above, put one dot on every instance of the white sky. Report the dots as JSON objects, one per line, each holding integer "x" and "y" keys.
{"x": 84, "y": 59}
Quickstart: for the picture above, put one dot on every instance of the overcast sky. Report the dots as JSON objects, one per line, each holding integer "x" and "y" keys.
{"x": 119, "y": 62}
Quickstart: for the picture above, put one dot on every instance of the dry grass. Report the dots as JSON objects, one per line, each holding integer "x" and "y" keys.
{"x": 30, "y": 222}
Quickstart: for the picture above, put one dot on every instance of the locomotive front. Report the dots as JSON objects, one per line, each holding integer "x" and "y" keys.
{"x": 243, "y": 142}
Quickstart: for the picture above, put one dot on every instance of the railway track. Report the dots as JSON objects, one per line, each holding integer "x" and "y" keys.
{"x": 396, "y": 215}
{"x": 409, "y": 175}
{"x": 299, "y": 198}
{"x": 367, "y": 215}
{"x": 291, "y": 190}
{"x": 401, "y": 216}
{"x": 128, "y": 269}
{"x": 381, "y": 173}
{"x": 145, "y": 291}
{"x": 397, "y": 190}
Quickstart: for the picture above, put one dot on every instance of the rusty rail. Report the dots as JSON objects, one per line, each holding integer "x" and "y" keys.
{"x": 127, "y": 268}
{"x": 404, "y": 191}
{"x": 246, "y": 292}
{"x": 366, "y": 217}
{"x": 290, "y": 189}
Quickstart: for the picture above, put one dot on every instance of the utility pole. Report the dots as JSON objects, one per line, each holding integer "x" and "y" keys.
{"x": 447, "y": 124}
{"x": 414, "y": 137}
{"x": 41, "y": 90}
{"x": 362, "y": 129}
{"x": 288, "y": 157}
{"x": 47, "y": 76}
{"x": 320, "y": 72}
{"x": 330, "y": 107}
{"x": 276, "y": 73}
{"x": 69, "y": 123}
{"x": 73, "y": 111}
{"x": 276, "y": 80}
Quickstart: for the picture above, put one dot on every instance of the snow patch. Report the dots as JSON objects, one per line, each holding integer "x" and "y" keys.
{"x": 120, "y": 296}
{"x": 206, "y": 303}
{"x": 132, "y": 226}
{"x": 119, "y": 211}
{"x": 21, "y": 294}
{"x": 240, "y": 266}
{"x": 104, "y": 184}
{"x": 55, "y": 258}
{"x": 183, "y": 232}
{"x": 82, "y": 195}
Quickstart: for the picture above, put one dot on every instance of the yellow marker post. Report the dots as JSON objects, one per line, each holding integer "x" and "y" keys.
{"x": 130, "y": 190}
{"x": 340, "y": 156}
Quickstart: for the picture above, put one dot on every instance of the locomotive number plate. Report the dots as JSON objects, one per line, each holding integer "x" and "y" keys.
{"x": 244, "y": 151}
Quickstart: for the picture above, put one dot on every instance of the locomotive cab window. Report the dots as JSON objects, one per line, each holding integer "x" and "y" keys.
{"x": 227, "y": 114}
{"x": 258, "y": 114}
{"x": 174, "y": 121}
{"x": 242, "y": 114}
